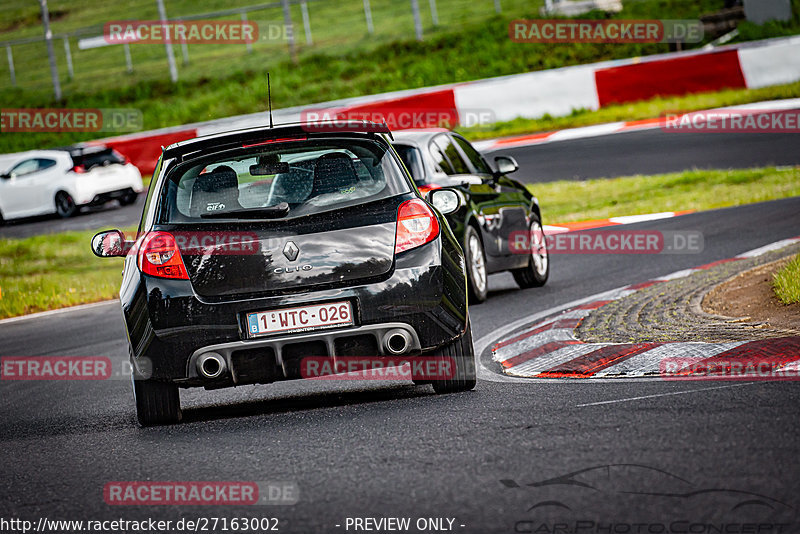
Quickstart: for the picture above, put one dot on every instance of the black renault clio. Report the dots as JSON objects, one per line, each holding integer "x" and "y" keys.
{"x": 260, "y": 248}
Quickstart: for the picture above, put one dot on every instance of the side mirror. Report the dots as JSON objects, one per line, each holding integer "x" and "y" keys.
{"x": 505, "y": 165}
{"x": 446, "y": 201}
{"x": 5, "y": 176}
{"x": 109, "y": 244}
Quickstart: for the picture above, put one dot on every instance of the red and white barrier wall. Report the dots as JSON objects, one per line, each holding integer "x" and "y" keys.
{"x": 556, "y": 92}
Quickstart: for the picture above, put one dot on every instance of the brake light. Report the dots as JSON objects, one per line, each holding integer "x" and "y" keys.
{"x": 159, "y": 256}
{"x": 80, "y": 169}
{"x": 416, "y": 225}
{"x": 279, "y": 140}
{"x": 425, "y": 189}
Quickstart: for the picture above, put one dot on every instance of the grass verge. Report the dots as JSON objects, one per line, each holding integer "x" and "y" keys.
{"x": 786, "y": 282}
{"x": 53, "y": 271}
{"x": 646, "y": 109}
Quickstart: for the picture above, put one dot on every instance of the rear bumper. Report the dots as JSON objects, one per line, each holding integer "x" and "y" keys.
{"x": 102, "y": 198}
{"x": 169, "y": 327}
{"x": 281, "y": 358}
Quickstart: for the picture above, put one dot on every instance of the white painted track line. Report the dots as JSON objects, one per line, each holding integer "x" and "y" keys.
{"x": 656, "y": 395}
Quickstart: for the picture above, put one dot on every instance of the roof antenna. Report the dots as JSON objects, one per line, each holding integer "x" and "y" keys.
{"x": 269, "y": 99}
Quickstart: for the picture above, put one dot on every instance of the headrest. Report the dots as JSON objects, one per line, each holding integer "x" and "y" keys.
{"x": 334, "y": 172}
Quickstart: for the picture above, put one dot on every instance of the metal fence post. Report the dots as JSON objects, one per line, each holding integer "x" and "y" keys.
{"x": 306, "y": 22}
{"x": 184, "y": 50}
{"x": 289, "y": 28}
{"x": 68, "y": 55}
{"x": 128, "y": 62}
{"x": 10, "y": 57}
{"x": 368, "y": 15}
{"x": 417, "y": 19}
{"x": 173, "y": 70}
{"x": 244, "y": 21}
{"x": 497, "y": 7}
{"x": 434, "y": 13}
{"x": 48, "y": 36}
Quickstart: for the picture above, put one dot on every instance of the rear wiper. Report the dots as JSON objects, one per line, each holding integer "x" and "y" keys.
{"x": 273, "y": 212}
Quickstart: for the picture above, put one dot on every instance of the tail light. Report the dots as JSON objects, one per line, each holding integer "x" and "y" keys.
{"x": 416, "y": 225}
{"x": 159, "y": 256}
{"x": 425, "y": 189}
{"x": 80, "y": 169}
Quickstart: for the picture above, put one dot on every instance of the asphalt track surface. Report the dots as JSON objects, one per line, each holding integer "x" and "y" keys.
{"x": 651, "y": 152}
{"x": 389, "y": 449}
{"x": 642, "y": 152}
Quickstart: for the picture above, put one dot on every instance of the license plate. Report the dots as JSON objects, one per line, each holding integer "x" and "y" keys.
{"x": 300, "y": 319}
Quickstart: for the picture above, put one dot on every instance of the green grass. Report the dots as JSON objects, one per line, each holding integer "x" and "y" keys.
{"x": 786, "y": 282}
{"x": 570, "y": 201}
{"x": 470, "y": 43}
{"x": 53, "y": 271}
{"x": 634, "y": 111}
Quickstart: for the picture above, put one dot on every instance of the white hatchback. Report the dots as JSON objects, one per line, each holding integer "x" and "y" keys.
{"x": 60, "y": 181}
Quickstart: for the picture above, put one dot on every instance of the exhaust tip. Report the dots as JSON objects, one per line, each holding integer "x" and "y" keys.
{"x": 397, "y": 342}
{"x": 211, "y": 365}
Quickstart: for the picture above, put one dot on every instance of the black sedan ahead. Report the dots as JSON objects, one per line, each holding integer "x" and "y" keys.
{"x": 497, "y": 214}
{"x": 262, "y": 250}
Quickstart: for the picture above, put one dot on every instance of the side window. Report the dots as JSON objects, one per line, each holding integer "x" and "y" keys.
{"x": 449, "y": 150}
{"x": 150, "y": 191}
{"x": 411, "y": 158}
{"x": 45, "y": 163}
{"x": 440, "y": 160}
{"x": 473, "y": 155}
{"x": 25, "y": 167}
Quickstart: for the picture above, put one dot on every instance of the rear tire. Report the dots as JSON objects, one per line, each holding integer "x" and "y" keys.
{"x": 536, "y": 273}
{"x": 462, "y": 354}
{"x": 65, "y": 206}
{"x": 475, "y": 259}
{"x": 157, "y": 403}
{"x": 128, "y": 199}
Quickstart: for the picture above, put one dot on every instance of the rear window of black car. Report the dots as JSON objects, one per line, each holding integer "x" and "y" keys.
{"x": 103, "y": 157}
{"x": 413, "y": 161}
{"x": 310, "y": 176}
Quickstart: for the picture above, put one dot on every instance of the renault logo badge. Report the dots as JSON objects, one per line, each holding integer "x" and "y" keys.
{"x": 291, "y": 251}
